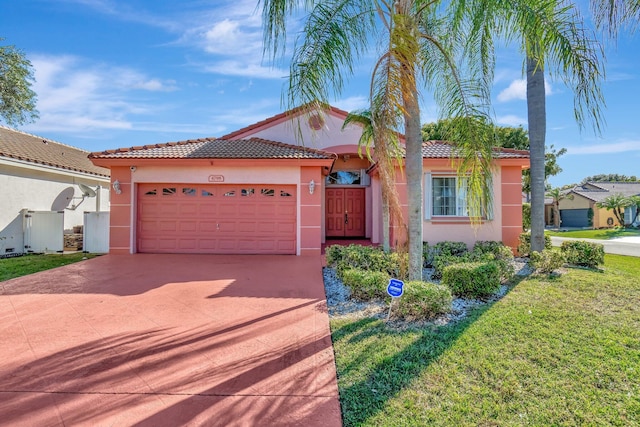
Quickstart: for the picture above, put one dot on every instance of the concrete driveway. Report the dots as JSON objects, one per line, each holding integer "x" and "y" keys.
{"x": 168, "y": 340}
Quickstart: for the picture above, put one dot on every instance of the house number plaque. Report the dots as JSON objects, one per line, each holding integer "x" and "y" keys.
{"x": 216, "y": 178}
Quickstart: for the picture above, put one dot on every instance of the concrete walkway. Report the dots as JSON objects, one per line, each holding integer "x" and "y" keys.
{"x": 168, "y": 340}
{"x": 622, "y": 246}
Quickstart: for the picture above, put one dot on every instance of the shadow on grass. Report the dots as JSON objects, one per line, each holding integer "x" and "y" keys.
{"x": 400, "y": 356}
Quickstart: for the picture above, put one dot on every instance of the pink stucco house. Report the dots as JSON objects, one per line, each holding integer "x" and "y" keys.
{"x": 285, "y": 185}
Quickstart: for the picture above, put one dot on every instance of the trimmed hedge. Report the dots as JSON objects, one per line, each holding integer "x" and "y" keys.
{"x": 587, "y": 254}
{"x": 524, "y": 245}
{"x": 368, "y": 258}
{"x": 483, "y": 251}
{"x": 474, "y": 279}
{"x": 422, "y": 300}
{"x": 430, "y": 253}
{"x": 547, "y": 260}
{"x": 365, "y": 285}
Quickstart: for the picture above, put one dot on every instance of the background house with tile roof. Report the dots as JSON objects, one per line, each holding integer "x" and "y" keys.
{"x": 287, "y": 185}
{"x": 574, "y": 212}
{"x": 41, "y": 175}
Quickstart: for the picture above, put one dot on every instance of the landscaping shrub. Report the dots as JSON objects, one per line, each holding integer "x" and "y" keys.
{"x": 474, "y": 279}
{"x": 487, "y": 246}
{"x": 422, "y": 300}
{"x": 369, "y": 258}
{"x": 582, "y": 253}
{"x": 444, "y": 260}
{"x": 497, "y": 252}
{"x": 365, "y": 285}
{"x": 526, "y": 216}
{"x": 443, "y": 248}
{"x": 334, "y": 254}
{"x": 547, "y": 260}
{"x": 524, "y": 245}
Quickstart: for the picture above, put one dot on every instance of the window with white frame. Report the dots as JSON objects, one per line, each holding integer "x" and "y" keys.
{"x": 449, "y": 196}
{"x": 446, "y": 196}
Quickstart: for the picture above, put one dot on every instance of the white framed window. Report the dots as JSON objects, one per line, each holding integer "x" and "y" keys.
{"x": 449, "y": 196}
{"x": 446, "y": 197}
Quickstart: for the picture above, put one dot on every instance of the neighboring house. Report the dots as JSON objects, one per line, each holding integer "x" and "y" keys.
{"x": 286, "y": 185}
{"x": 40, "y": 175}
{"x": 575, "y": 212}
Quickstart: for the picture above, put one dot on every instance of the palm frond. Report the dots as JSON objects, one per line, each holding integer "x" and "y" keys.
{"x": 335, "y": 36}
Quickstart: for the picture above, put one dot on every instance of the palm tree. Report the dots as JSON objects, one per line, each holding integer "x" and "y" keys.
{"x": 553, "y": 37}
{"x": 612, "y": 14}
{"x": 557, "y": 194}
{"x": 385, "y": 158}
{"x": 417, "y": 52}
{"x": 616, "y": 203}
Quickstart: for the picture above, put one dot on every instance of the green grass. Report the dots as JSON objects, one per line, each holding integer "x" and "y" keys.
{"x": 603, "y": 234}
{"x": 554, "y": 351}
{"x": 28, "y": 264}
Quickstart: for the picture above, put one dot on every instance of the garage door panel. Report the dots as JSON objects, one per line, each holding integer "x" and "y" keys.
{"x": 207, "y": 226}
{"x": 188, "y": 209}
{"x": 167, "y": 226}
{"x": 166, "y": 209}
{"x": 188, "y": 226}
{"x": 207, "y": 209}
{"x": 193, "y": 218}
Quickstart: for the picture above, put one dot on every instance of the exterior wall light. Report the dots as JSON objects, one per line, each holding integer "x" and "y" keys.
{"x": 312, "y": 186}
{"x": 116, "y": 187}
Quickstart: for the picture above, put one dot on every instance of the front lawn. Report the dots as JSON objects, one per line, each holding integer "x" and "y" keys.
{"x": 554, "y": 351}
{"x": 603, "y": 234}
{"x": 28, "y": 264}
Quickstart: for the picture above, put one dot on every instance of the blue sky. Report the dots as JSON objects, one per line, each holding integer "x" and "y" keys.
{"x": 119, "y": 73}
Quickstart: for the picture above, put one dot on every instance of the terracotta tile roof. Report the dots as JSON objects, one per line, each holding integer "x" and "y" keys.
{"x": 289, "y": 113}
{"x": 445, "y": 150}
{"x": 215, "y": 148}
{"x": 19, "y": 145}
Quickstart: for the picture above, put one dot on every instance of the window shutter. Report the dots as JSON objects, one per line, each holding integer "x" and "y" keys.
{"x": 428, "y": 196}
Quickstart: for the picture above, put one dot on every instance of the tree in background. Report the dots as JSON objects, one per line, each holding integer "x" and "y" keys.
{"x": 17, "y": 100}
{"x": 611, "y": 177}
{"x": 616, "y": 203}
{"x": 557, "y": 194}
{"x": 553, "y": 38}
{"x": 505, "y": 137}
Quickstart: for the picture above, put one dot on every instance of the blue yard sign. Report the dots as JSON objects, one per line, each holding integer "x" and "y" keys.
{"x": 395, "y": 288}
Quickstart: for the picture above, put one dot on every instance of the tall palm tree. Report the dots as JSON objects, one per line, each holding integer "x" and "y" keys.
{"x": 417, "y": 52}
{"x": 553, "y": 38}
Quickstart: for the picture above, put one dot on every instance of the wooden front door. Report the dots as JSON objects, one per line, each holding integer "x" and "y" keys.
{"x": 345, "y": 212}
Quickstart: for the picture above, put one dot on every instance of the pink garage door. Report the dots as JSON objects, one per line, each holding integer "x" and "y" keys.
{"x": 216, "y": 219}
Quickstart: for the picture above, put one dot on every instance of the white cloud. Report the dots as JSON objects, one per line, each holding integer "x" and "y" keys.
{"x": 606, "y": 148}
{"x": 245, "y": 69}
{"x": 511, "y": 120}
{"x": 352, "y": 103}
{"x": 75, "y": 96}
{"x": 518, "y": 90}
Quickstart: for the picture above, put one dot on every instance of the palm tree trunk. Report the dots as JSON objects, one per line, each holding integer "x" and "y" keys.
{"x": 537, "y": 116}
{"x": 386, "y": 246}
{"x": 414, "y": 181}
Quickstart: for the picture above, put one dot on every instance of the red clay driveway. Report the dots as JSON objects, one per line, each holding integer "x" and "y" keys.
{"x": 168, "y": 340}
